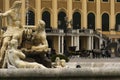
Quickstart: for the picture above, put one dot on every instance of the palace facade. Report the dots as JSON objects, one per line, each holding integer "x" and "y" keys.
{"x": 80, "y": 23}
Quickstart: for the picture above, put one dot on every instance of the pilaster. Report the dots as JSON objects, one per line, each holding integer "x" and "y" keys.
{"x": 69, "y": 7}
{"x": 23, "y": 12}
{"x": 112, "y": 16}
{"x": 55, "y": 16}
{"x": 38, "y": 11}
{"x": 98, "y": 16}
{"x": 84, "y": 14}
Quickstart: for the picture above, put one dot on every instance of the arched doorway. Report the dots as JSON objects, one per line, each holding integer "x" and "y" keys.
{"x": 62, "y": 20}
{"x": 91, "y": 21}
{"x": 117, "y": 27}
{"x": 105, "y": 22}
{"x": 30, "y": 18}
{"x": 76, "y": 20}
{"x": 46, "y": 18}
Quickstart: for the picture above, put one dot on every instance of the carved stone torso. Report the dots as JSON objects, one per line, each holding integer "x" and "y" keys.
{"x": 13, "y": 16}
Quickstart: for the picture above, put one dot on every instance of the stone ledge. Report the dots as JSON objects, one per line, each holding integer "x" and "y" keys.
{"x": 80, "y": 73}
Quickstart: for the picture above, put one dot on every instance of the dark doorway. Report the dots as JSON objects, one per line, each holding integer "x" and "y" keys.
{"x": 62, "y": 20}
{"x": 30, "y": 18}
{"x": 46, "y": 18}
{"x": 105, "y": 22}
{"x": 91, "y": 21}
{"x": 76, "y": 20}
{"x": 117, "y": 27}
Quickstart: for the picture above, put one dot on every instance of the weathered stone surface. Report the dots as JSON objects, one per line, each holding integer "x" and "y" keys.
{"x": 61, "y": 74}
{"x": 93, "y": 64}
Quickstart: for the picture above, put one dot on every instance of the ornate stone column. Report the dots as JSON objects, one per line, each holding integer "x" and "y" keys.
{"x": 62, "y": 44}
{"x": 98, "y": 16}
{"x": 100, "y": 43}
{"x": 92, "y": 47}
{"x": 84, "y": 14}
{"x": 69, "y": 7}
{"x": 89, "y": 43}
{"x": 112, "y": 16}
{"x": 77, "y": 40}
{"x": 55, "y": 16}
{"x": 58, "y": 44}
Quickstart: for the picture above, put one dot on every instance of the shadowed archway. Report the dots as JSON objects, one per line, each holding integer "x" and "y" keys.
{"x": 76, "y": 20}
{"x": 30, "y": 18}
{"x": 46, "y": 17}
{"x": 91, "y": 21}
{"x": 62, "y": 20}
{"x": 105, "y": 22}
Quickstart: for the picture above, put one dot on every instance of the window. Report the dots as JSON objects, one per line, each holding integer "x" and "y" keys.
{"x": 118, "y": 0}
{"x": 105, "y": 0}
{"x": 90, "y": 0}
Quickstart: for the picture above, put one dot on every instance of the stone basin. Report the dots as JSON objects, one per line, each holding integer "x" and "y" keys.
{"x": 88, "y": 71}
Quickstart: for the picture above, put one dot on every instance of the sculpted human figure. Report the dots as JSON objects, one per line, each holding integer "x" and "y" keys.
{"x": 14, "y": 28}
{"x": 39, "y": 38}
{"x": 15, "y": 57}
{"x": 36, "y": 44}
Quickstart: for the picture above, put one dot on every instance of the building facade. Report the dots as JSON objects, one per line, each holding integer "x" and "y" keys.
{"x": 71, "y": 22}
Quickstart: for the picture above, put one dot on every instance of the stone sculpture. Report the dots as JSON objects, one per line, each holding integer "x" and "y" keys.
{"x": 38, "y": 45}
{"x": 38, "y": 40}
{"x": 12, "y": 49}
{"x": 13, "y": 26}
{"x": 59, "y": 63}
{"x": 15, "y": 56}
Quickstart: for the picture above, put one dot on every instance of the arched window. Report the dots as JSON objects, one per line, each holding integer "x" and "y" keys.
{"x": 105, "y": 22}
{"x": 76, "y": 20}
{"x": 117, "y": 27}
{"x": 62, "y": 20}
{"x": 91, "y": 21}
{"x": 46, "y": 17}
{"x": 30, "y": 18}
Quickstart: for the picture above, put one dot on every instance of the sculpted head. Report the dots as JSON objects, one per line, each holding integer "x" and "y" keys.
{"x": 41, "y": 24}
{"x": 17, "y": 4}
{"x": 13, "y": 43}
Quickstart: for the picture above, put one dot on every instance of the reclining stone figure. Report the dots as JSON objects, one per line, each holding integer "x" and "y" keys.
{"x": 14, "y": 57}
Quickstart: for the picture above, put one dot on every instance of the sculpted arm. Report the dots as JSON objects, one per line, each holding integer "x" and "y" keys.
{"x": 43, "y": 45}
{"x": 5, "y": 14}
{"x": 21, "y": 55}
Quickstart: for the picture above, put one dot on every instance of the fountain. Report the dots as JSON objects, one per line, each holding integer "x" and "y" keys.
{"x": 23, "y": 50}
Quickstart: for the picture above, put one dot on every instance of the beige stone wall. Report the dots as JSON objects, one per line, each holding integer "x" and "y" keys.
{"x": 1, "y": 5}
{"x": 77, "y": 5}
{"x": 91, "y": 7}
{"x": 47, "y": 4}
{"x": 105, "y": 7}
{"x": 62, "y": 4}
{"x": 117, "y": 7}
